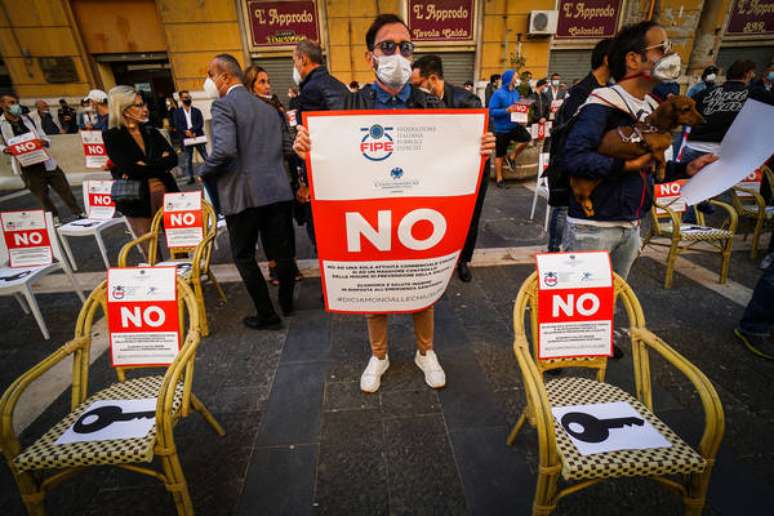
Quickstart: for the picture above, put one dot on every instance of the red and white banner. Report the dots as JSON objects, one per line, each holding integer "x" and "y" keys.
{"x": 543, "y": 160}
{"x": 555, "y": 106}
{"x": 540, "y": 131}
{"x": 392, "y": 197}
{"x": 751, "y": 182}
{"x": 99, "y": 202}
{"x": 94, "y": 149}
{"x": 183, "y": 219}
{"x": 668, "y": 195}
{"x": 575, "y": 304}
{"x": 142, "y": 315}
{"x": 26, "y": 237}
{"x": 521, "y": 114}
{"x": 28, "y": 149}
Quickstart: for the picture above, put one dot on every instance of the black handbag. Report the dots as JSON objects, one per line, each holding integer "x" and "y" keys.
{"x": 126, "y": 190}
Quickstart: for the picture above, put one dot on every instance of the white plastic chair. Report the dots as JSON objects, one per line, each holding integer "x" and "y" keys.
{"x": 221, "y": 224}
{"x": 17, "y": 281}
{"x": 89, "y": 227}
{"x": 541, "y": 189}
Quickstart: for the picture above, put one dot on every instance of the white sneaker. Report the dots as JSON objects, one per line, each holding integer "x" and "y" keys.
{"x": 434, "y": 375}
{"x": 371, "y": 378}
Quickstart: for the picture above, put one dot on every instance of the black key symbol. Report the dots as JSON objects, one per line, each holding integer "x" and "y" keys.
{"x": 104, "y": 416}
{"x": 595, "y": 430}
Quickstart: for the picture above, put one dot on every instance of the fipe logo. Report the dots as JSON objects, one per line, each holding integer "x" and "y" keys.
{"x": 377, "y": 144}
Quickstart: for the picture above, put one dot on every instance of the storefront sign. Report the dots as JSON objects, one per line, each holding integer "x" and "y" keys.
{"x": 751, "y": 18}
{"x": 441, "y": 20}
{"x": 392, "y": 197}
{"x": 580, "y": 19}
{"x": 183, "y": 219}
{"x": 94, "y": 149}
{"x": 26, "y": 237}
{"x": 575, "y": 304}
{"x": 28, "y": 149}
{"x": 99, "y": 202}
{"x": 142, "y": 316}
{"x": 282, "y": 24}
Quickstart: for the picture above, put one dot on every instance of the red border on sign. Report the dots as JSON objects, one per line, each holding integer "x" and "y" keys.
{"x": 612, "y": 321}
{"x": 110, "y": 335}
{"x": 309, "y": 175}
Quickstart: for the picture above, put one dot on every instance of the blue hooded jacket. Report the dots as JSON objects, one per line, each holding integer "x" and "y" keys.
{"x": 499, "y": 103}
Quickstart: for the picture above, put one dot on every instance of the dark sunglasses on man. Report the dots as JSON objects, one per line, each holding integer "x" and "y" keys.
{"x": 388, "y": 47}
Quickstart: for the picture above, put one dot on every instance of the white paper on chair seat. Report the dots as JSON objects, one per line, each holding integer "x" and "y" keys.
{"x": 118, "y": 414}
{"x": 187, "y": 142}
{"x": 606, "y": 427}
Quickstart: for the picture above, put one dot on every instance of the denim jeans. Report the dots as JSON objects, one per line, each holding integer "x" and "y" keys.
{"x": 556, "y": 228}
{"x": 188, "y": 157}
{"x": 758, "y": 317}
{"x": 623, "y": 243}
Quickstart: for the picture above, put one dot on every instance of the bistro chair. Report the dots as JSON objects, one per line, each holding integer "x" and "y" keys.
{"x": 193, "y": 263}
{"x": 679, "y": 467}
{"x": 750, "y": 204}
{"x": 174, "y": 400}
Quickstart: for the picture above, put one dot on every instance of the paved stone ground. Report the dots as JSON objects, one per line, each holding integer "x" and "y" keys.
{"x": 302, "y": 439}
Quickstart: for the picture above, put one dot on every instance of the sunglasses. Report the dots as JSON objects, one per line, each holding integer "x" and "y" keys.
{"x": 139, "y": 106}
{"x": 388, "y": 47}
{"x": 665, "y": 45}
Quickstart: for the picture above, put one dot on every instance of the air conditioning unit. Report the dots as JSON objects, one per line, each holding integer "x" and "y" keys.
{"x": 543, "y": 23}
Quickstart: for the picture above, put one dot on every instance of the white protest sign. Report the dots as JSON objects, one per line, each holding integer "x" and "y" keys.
{"x": 606, "y": 427}
{"x": 26, "y": 237}
{"x": 575, "y": 304}
{"x": 99, "y": 202}
{"x": 392, "y": 197}
{"x": 540, "y": 131}
{"x": 94, "y": 149}
{"x": 752, "y": 183}
{"x": 28, "y": 149}
{"x": 667, "y": 195}
{"x": 187, "y": 142}
{"x": 106, "y": 420}
{"x": 183, "y": 219}
{"x": 142, "y": 316}
{"x": 746, "y": 145}
{"x": 520, "y": 113}
{"x": 555, "y": 106}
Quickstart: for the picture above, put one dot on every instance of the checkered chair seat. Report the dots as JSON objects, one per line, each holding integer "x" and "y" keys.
{"x": 751, "y": 210}
{"x": 702, "y": 233}
{"x": 45, "y": 454}
{"x": 680, "y": 458}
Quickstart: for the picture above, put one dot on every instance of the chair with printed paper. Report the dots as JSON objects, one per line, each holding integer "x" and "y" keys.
{"x": 153, "y": 322}
{"x": 588, "y": 430}
{"x": 541, "y": 189}
{"x": 750, "y": 204}
{"x": 666, "y": 223}
{"x": 100, "y": 213}
{"x": 190, "y": 228}
{"x": 30, "y": 250}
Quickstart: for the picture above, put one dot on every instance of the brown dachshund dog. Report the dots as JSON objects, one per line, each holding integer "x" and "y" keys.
{"x": 654, "y": 136}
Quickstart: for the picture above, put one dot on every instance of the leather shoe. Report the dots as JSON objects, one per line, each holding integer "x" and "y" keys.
{"x": 464, "y": 272}
{"x": 258, "y": 323}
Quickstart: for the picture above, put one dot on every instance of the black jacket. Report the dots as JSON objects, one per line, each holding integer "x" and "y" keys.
{"x": 719, "y": 107}
{"x": 456, "y": 97}
{"x": 318, "y": 91}
{"x": 365, "y": 98}
{"x": 576, "y": 96}
{"x": 124, "y": 152}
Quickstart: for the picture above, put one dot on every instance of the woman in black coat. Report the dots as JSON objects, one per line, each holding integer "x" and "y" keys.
{"x": 139, "y": 152}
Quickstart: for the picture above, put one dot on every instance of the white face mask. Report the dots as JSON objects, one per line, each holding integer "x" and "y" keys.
{"x": 555, "y": 84}
{"x": 710, "y": 78}
{"x": 211, "y": 89}
{"x": 297, "y": 76}
{"x": 394, "y": 71}
{"x": 667, "y": 68}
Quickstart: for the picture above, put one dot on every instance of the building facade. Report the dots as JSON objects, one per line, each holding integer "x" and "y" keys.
{"x": 62, "y": 48}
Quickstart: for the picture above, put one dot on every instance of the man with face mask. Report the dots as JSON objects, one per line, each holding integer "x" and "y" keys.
{"x": 99, "y": 106}
{"x": 40, "y": 176}
{"x": 189, "y": 123}
{"x": 247, "y": 165}
{"x": 554, "y": 91}
{"x": 501, "y": 105}
{"x": 639, "y": 58}
{"x": 708, "y": 78}
{"x": 41, "y": 115}
{"x": 389, "y": 51}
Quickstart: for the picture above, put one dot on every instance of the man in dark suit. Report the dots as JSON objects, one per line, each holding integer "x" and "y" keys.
{"x": 554, "y": 91}
{"x": 255, "y": 196}
{"x": 189, "y": 123}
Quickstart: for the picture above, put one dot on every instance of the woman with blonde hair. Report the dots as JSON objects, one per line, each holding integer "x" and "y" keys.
{"x": 142, "y": 159}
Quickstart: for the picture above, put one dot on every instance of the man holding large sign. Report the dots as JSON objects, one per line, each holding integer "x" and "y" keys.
{"x": 397, "y": 211}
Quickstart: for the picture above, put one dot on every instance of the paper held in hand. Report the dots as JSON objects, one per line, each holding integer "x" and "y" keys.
{"x": 575, "y": 304}
{"x": 520, "y": 115}
{"x": 143, "y": 321}
{"x": 28, "y": 149}
{"x": 26, "y": 237}
{"x": 183, "y": 219}
{"x": 94, "y": 149}
{"x": 187, "y": 142}
{"x": 555, "y": 106}
{"x": 745, "y": 147}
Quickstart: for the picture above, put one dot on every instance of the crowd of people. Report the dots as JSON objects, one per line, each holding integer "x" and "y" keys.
{"x": 255, "y": 177}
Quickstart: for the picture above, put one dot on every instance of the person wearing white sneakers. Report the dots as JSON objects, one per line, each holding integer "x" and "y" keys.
{"x": 389, "y": 49}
